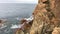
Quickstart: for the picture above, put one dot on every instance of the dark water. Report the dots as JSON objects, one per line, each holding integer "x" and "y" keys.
{"x": 11, "y": 11}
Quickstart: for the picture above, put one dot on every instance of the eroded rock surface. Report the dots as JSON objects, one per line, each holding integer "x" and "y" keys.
{"x": 46, "y": 17}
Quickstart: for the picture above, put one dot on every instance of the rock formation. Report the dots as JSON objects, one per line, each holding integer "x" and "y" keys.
{"x": 25, "y": 25}
{"x": 56, "y": 30}
{"x": 46, "y": 17}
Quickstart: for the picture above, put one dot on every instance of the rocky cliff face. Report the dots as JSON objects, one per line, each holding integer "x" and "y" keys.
{"x": 46, "y": 17}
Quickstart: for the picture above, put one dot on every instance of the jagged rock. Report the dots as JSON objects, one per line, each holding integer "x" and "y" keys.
{"x": 56, "y": 30}
{"x": 46, "y": 17}
{"x": 25, "y": 26}
{"x": 19, "y": 32}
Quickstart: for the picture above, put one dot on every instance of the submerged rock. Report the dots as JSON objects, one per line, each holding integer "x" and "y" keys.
{"x": 2, "y": 23}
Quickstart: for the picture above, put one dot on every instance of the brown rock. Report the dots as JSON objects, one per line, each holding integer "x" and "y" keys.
{"x": 56, "y": 30}
{"x": 46, "y": 18}
{"x": 43, "y": 0}
{"x": 49, "y": 21}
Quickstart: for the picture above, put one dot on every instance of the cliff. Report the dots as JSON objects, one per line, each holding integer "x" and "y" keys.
{"x": 46, "y": 17}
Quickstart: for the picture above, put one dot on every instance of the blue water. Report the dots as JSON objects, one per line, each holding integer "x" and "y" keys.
{"x": 11, "y": 11}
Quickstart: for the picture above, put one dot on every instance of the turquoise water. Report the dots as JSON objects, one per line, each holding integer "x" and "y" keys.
{"x": 11, "y": 11}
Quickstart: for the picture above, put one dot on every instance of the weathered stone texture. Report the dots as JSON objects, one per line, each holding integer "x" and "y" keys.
{"x": 46, "y": 17}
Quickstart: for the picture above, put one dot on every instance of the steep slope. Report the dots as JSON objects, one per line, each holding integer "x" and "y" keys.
{"x": 46, "y": 17}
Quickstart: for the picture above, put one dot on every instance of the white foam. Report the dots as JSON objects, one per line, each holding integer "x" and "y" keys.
{"x": 16, "y": 26}
{"x": 30, "y": 18}
{"x": 3, "y": 26}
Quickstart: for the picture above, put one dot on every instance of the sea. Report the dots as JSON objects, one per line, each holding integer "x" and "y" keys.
{"x": 12, "y": 13}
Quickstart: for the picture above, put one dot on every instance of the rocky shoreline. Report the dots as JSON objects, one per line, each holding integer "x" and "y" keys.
{"x": 45, "y": 20}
